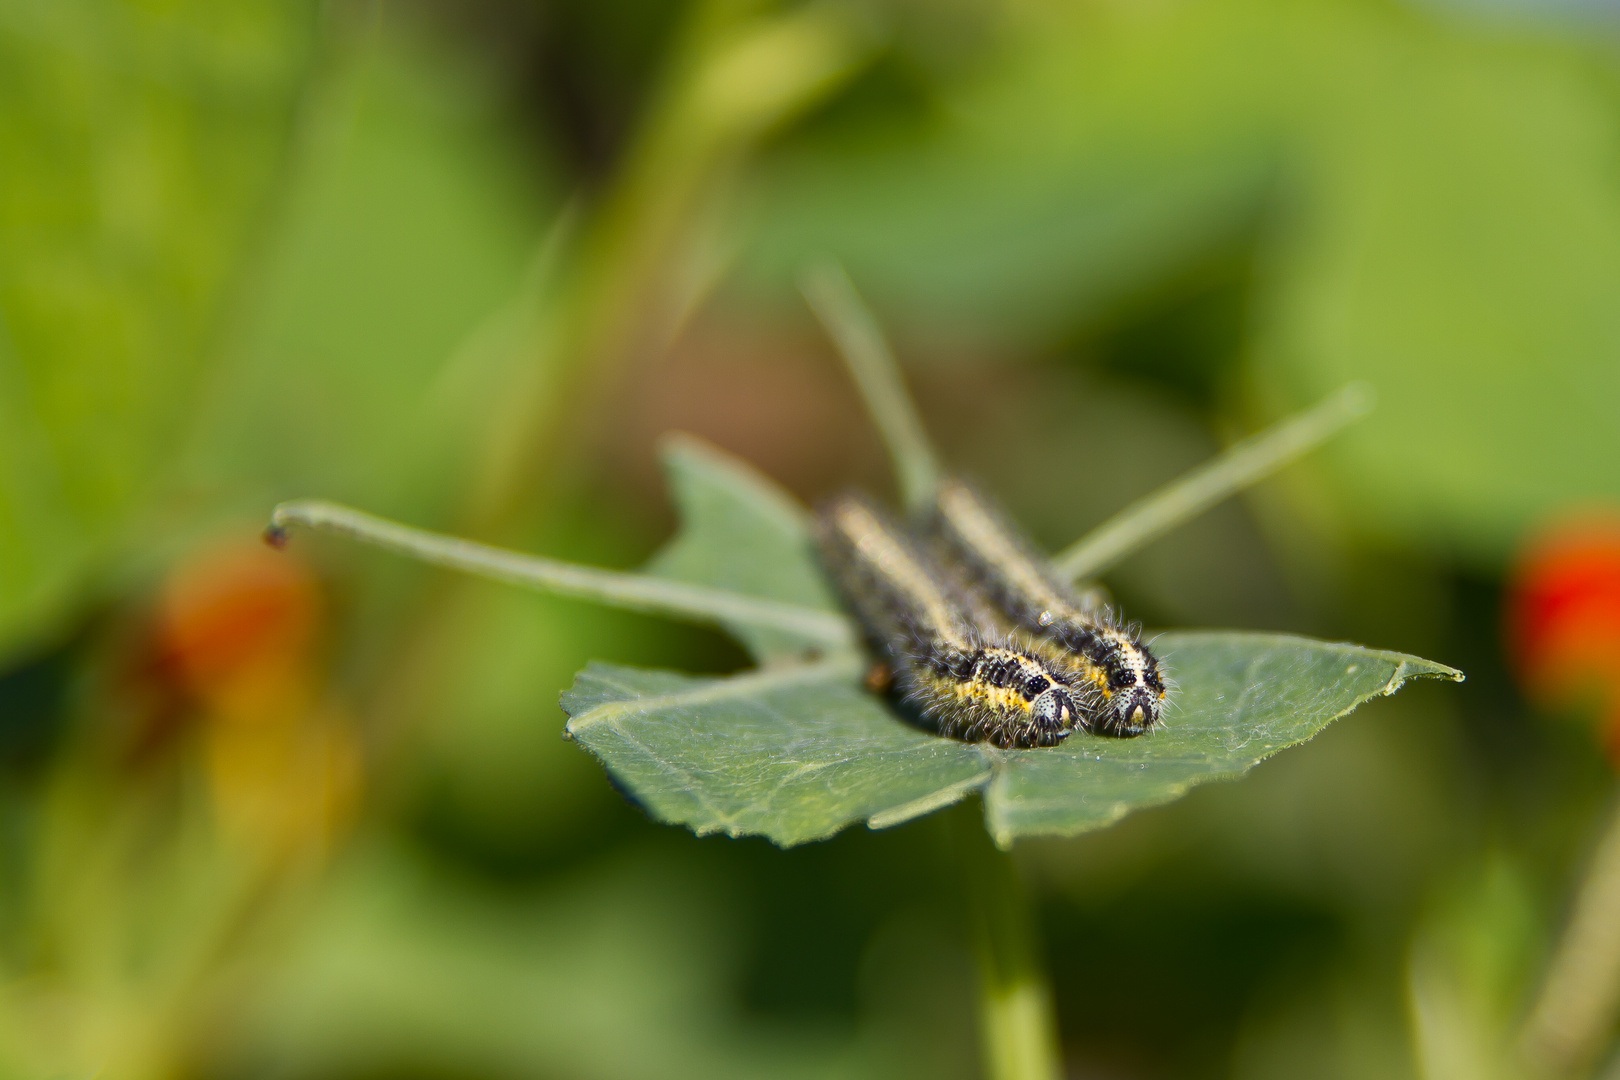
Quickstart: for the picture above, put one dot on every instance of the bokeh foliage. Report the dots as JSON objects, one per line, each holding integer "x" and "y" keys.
{"x": 465, "y": 264}
{"x": 147, "y": 146}
{"x": 1427, "y": 204}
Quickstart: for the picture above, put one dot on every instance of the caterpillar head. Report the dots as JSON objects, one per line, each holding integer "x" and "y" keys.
{"x": 1134, "y": 701}
{"x": 1054, "y": 715}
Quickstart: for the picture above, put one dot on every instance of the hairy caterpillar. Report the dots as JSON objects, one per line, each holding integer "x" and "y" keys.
{"x": 1129, "y": 690}
{"x": 970, "y": 681}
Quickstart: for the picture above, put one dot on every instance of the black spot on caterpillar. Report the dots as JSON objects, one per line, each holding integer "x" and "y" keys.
{"x": 966, "y": 679}
{"x": 1130, "y": 689}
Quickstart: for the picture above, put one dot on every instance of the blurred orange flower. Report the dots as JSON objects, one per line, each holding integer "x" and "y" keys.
{"x": 239, "y": 623}
{"x": 1563, "y": 619}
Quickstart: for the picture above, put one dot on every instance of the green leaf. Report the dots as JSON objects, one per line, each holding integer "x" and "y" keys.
{"x": 740, "y": 532}
{"x": 792, "y": 753}
{"x": 796, "y": 751}
{"x": 1241, "y": 698}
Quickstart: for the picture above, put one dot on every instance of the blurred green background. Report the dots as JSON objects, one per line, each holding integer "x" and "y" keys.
{"x": 463, "y": 262}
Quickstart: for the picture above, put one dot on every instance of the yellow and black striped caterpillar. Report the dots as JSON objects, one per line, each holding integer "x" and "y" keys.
{"x": 1129, "y": 689}
{"x": 964, "y": 677}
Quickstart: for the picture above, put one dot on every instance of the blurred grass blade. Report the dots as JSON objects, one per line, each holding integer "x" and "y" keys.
{"x": 1575, "y": 1013}
{"x": 735, "y": 75}
{"x": 1185, "y": 498}
{"x": 851, "y": 325}
{"x": 1466, "y": 968}
{"x": 639, "y": 592}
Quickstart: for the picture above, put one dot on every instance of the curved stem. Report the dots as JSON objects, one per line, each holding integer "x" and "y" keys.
{"x": 851, "y": 325}
{"x": 638, "y": 592}
{"x": 1016, "y": 1025}
{"x": 1191, "y": 494}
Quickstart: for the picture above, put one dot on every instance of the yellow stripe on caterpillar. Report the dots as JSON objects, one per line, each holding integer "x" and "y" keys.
{"x": 1130, "y": 690}
{"x": 959, "y": 673}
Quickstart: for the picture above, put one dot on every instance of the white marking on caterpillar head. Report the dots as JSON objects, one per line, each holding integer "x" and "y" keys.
{"x": 1053, "y": 709}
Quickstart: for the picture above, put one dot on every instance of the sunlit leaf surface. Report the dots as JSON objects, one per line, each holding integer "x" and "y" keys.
{"x": 797, "y": 753}
{"x": 743, "y": 533}
{"x": 793, "y": 753}
{"x": 1242, "y": 698}
{"x": 797, "y": 750}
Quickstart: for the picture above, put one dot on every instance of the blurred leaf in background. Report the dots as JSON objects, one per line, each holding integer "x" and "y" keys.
{"x": 398, "y": 282}
{"x": 1421, "y": 200}
{"x": 465, "y": 263}
{"x": 145, "y": 146}
{"x": 409, "y": 222}
{"x": 382, "y": 324}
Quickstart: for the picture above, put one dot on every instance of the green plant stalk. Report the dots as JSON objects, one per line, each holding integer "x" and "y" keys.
{"x": 854, "y": 329}
{"x": 1186, "y": 497}
{"x": 736, "y": 78}
{"x": 1574, "y": 1015}
{"x": 1017, "y": 1029}
{"x": 865, "y": 351}
{"x": 604, "y": 295}
{"x": 638, "y": 592}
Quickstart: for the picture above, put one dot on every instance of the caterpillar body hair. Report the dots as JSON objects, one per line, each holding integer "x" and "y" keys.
{"x": 968, "y": 680}
{"x": 1129, "y": 689}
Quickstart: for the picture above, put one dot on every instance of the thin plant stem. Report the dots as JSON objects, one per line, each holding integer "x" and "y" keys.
{"x": 545, "y": 388}
{"x": 853, "y": 328}
{"x": 1191, "y": 494}
{"x": 1574, "y": 1015}
{"x": 735, "y": 75}
{"x": 1017, "y": 1029}
{"x": 638, "y": 592}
